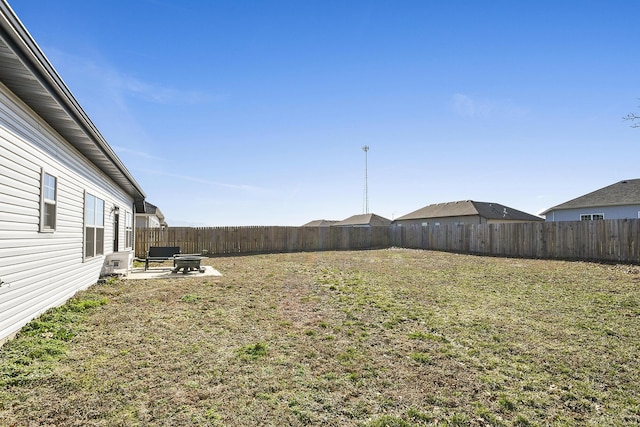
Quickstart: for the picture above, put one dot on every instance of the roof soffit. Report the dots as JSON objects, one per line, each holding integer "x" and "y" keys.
{"x": 26, "y": 72}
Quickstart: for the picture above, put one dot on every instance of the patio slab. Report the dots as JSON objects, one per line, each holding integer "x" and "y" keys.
{"x": 139, "y": 273}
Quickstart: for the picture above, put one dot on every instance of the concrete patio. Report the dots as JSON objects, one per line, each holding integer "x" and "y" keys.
{"x": 166, "y": 272}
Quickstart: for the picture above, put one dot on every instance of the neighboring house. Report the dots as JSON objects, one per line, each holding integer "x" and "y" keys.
{"x": 364, "y": 220}
{"x": 616, "y": 201}
{"x": 320, "y": 223}
{"x": 67, "y": 201}
{"x": 152, "y": 217}
{"x": 465, "y": 212}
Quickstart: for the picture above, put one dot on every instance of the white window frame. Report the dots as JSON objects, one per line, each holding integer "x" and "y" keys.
{"x": 47, "y": 202}
{"x": 592, "y": 217}
{"x": 93, "y": 226}
{"x": 128, "y": 229}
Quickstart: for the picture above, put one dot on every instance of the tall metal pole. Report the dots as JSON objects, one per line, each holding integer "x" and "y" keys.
{"x": 366, "y": 180}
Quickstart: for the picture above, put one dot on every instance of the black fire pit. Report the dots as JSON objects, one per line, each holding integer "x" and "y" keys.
{"x": 187, "y": 264}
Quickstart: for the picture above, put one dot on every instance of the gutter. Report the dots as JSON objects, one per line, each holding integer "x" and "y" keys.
{"x": 36, "y": 63}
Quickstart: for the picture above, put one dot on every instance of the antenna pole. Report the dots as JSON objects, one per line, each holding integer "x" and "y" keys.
{"x": 366, "y": 180}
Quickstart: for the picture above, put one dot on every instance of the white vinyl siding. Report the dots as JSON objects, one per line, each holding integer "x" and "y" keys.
{"x": 147, "y": 221}
{"x": 41, "y": 270}
{"x": 604, "y": 212}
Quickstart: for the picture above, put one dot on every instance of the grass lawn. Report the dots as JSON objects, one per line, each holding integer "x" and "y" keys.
{"x": 371, "y": 338}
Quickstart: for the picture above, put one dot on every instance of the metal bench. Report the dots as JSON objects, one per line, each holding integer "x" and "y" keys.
{"x": 160, "y": 254}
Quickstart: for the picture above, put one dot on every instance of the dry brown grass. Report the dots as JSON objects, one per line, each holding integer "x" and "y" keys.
{"x": 372, "y": 338}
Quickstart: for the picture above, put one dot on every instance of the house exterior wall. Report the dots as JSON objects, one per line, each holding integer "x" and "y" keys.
{"x": 609, "y": 212}
{"x": 147, "y": 221}
{"x": 466, "y": 219}
{"x": 154, "y": 222}
{"x": 460, "y": 220}
{"x": 141, "y": 221}
{"x": 40, "y": 270}
{"x": 509, "y": 221}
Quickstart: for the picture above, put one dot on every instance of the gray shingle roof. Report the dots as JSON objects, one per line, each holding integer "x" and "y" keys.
{"x": 151, "y": 209}
{"x": 626, "y": 192}
{"x": 364, "y": 219}
{"x": 320, "y": 223}
{"x": 468, "y": 208}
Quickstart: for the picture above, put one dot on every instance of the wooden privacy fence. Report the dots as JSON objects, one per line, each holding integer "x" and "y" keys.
{"x": 606, "y": 240}
{"x": 251, "y": 240}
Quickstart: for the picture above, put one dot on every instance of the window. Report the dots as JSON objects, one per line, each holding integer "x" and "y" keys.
{"x": 589, "y": 217}
{"x": 128, "y": 230}
{"x": 93, "y": 226}
{"x": 48, "y": 202}
{"x": 425, "y": 224}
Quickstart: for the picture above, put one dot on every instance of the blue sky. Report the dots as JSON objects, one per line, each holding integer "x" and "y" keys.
{"x": 256, "y": 112}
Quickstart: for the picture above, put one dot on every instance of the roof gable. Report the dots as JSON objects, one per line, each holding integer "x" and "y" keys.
{"x": 626, "y": 192}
